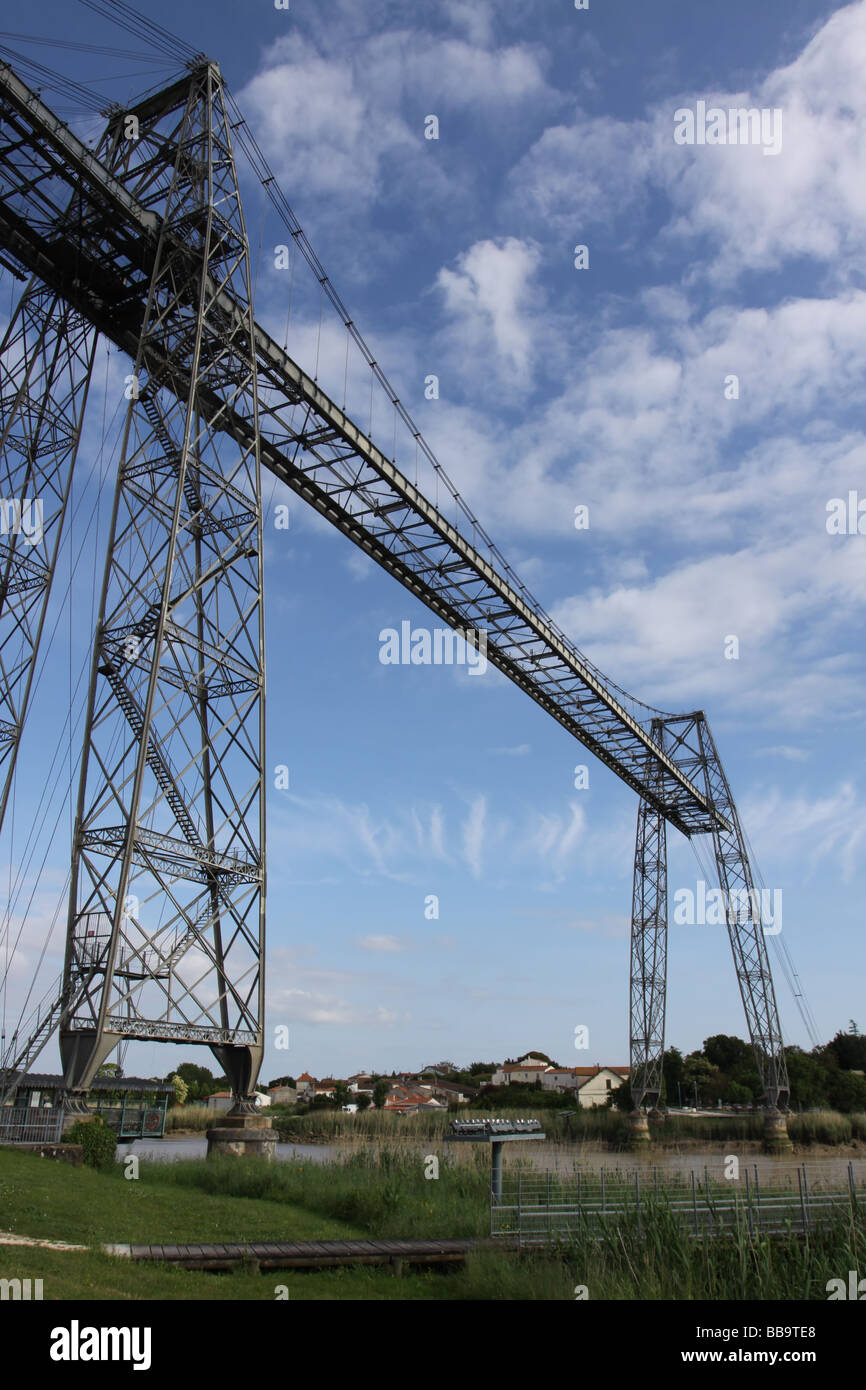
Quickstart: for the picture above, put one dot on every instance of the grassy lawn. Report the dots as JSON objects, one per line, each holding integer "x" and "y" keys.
{"x": 41, "y": 1197}
{"x": 91, "y": 1275}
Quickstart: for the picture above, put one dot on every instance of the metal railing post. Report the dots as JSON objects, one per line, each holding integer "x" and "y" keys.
{"x": 802, "y": 1205}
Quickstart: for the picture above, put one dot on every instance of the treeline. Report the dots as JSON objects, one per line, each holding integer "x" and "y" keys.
{"x": 831, "y": 1076}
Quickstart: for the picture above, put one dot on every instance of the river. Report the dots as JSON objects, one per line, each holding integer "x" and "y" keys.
{"x": 822, "y": 1169}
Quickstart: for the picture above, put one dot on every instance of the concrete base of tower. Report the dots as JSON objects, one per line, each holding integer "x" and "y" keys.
{"x": 639, "y": 1136}
{"x": 76, "y": 1110}
{"x": 776, "y": 1139}
{"x": 243, "y": 1136}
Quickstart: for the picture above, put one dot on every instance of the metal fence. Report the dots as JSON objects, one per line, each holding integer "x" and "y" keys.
{"x": 20, "y": 1124}
{"x": 541, "y": 1206}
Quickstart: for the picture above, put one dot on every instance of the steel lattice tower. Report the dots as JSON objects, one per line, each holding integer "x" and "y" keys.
{"x": 688, "y": 739}
{"x": 649, "y": 952}
{"x": 166, "y": 912}
{"x": 46, "y": 362}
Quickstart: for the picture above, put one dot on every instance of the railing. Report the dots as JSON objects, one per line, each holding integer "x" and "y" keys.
{"x": 31, "y": 1124}
{"x": 538, "y": 1206}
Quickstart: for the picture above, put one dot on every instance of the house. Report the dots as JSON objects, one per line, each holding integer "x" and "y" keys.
{"x": 406, "y": 1100}
{"x": 439, "y": 1069}
{"x": 283, "y": 1095}
{"x": 594, "y": 1084}
{"x": 220, "y": 1102}
{"x": 306, "y": 1085}
{"x": 522, "y": 1073}
{"x": 591, "y": 1085}
{"x": 560, "y": 1079}
{"x": 450, "y": 1093}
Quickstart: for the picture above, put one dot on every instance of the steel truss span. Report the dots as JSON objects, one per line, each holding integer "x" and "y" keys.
{"x": 144, "y": 242}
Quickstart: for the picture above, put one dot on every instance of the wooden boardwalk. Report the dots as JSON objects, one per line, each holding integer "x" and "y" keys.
{"x": 305, "y": 1254}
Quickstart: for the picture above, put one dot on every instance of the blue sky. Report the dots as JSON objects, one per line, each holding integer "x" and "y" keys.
{"x": 557, "y": 387}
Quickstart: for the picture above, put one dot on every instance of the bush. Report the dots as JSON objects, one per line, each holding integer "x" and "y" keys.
{"x": 98, "y": 1142}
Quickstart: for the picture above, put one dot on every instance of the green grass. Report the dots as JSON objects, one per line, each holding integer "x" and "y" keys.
{"x": 384, "y": 1191}
{"x": 377, "y": 1194}
{"x": 40, "y": 1197}
{"x": 487, "y": 1275}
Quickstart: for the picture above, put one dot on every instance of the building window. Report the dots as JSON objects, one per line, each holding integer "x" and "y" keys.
{"x": 607, "y": 1084}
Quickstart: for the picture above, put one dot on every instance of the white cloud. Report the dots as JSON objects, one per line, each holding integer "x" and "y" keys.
{"x": 787, "y": 751}
{"x": 555, "y": 838}
{"x": 387, "y": 944}
{"x": 335, "y": 116}
{"x": 756, "y": 211}
{"x": 473, "y": 835}
{"x": 316, "y": 125}
{"x": 670, "y": 634}
{"x": 812, "y": 830}
{"x": 490, "y": 296}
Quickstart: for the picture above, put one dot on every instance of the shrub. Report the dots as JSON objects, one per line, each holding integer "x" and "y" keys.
{"x": 98, "y": 1142}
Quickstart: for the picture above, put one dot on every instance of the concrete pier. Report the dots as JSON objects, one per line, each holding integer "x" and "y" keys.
{"x": 639, "y": 1136}
{"x": 776, "y": 1139}
{"x": 244, "y": 1132}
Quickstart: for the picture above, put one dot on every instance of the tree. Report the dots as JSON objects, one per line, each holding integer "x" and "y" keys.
{"x": 672, "y": 1074}
{"x": 808, "y": 1078}
{"x": 380, "y": 1093}
{"x": 700, "y": 1074}
{"x": 482, "y": 1068}
{"x": 362, "y": 1100}
{"x": 619, "y": 1097}
{"x": 849, "y": 1050}
{"x": 738, "y": 1094}
{"x": 110, "y": 1069}
{"x": 728, "y": 1053}
{"x": 181, "y": 1090}
{"x": 283, "y": 1081}
{"x": 846, "y": 1092}
{"x": 199, "y": 1080}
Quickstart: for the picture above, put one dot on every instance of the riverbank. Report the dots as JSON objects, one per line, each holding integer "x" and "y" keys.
{"x": 375, "y": 1196}
{"x": 607, "y": 1130}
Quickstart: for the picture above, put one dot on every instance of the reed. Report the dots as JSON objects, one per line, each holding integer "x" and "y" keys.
{"x": 196, "y": 1117}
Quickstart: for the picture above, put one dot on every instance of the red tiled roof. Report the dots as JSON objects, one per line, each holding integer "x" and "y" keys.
{"x": 593, "y": 1071}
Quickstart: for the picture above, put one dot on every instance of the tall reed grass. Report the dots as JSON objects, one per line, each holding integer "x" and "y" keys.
{"x": 196, "y": 1117}
{"x": 601, "y": 1126}
{"x": 386, "y": 1193}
